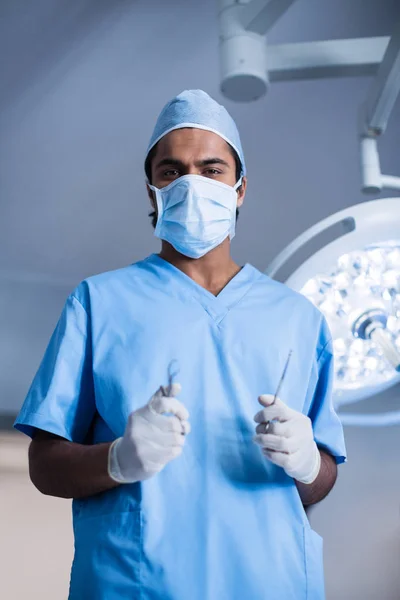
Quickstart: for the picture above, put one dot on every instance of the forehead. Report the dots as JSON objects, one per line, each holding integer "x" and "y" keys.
{"x": 191, "y": 142}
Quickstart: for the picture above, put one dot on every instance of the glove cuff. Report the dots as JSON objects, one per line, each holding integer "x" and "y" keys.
{"x": 316, "y": 468}
{"x": 113, "y": 468}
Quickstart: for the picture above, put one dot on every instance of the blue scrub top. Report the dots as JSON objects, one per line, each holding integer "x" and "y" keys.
{"x": 221, "y": 521}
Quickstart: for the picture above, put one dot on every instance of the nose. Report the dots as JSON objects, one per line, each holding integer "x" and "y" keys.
{"x": 191, "y": 170}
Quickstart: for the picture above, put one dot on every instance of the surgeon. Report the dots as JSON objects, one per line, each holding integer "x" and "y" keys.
{"x": 154, "y": 407}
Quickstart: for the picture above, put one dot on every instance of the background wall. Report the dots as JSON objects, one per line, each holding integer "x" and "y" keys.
{"x": 82, "y": 84}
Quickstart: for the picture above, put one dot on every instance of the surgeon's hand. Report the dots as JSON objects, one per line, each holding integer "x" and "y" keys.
{"x": 289, "y": 441}
{"x": 151, "y": 439}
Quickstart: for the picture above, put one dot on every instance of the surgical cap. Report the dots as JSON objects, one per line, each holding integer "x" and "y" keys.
{"x": 195, "y": 108}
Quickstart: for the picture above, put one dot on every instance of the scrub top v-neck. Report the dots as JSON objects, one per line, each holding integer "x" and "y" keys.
{"x": 221, "y": 521}
{"x": 217, "y": 306}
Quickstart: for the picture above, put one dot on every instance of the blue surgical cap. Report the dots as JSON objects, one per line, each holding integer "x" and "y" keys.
{"x": 195, "y": 108}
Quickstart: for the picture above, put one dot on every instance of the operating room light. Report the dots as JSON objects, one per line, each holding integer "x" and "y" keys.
{"x": 364, "y": 283}
{"x": 354, "y": 280}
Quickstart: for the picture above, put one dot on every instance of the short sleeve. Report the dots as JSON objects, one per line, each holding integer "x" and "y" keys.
{"x": 328, "y": 429}
{"x": 61, "y": 397}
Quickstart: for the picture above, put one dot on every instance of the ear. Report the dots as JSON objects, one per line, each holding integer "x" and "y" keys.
{"x": 241, "y": 192}
{"x": 152, "y": 199}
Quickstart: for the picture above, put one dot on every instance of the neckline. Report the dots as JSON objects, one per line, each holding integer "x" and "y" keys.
{"x": 216, "y": 306}
{"x": 240, "y": 276}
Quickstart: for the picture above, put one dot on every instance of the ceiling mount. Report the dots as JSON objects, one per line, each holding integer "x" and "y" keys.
{"x": 249, "y": 65}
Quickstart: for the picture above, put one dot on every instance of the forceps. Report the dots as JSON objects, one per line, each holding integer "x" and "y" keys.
{"x": 173, "y": 372}
{"x": 278, "y": 389}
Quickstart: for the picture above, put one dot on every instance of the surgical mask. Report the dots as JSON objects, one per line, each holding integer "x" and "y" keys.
{"x": 196, "y": 214}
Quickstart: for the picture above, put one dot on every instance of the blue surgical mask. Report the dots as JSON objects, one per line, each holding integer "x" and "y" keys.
{"x": 196, "y": 214}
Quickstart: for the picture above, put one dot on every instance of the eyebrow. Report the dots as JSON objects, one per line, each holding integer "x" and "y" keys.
{"x": 173, "y": 162}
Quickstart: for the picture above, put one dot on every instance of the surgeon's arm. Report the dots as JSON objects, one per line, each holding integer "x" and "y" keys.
{"x": 311, "y": 493}
{"x": 66, "y": 469}
{"x": 151, "y": 440}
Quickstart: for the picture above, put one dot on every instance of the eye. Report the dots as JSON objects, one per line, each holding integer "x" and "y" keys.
{"x": 213, "y": 172}
{"x": 171, "y": 173}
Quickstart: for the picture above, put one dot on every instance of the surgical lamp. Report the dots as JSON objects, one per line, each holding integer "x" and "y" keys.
{"x": 354, "y": 276}
{"x": 354, "y": 279}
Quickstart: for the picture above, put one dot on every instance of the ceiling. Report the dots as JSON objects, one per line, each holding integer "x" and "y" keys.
{"x": 82, "y": 85}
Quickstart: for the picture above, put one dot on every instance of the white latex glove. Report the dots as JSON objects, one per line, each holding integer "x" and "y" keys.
{"x": 151, "y": 439}
{"x": 289, "y": 441}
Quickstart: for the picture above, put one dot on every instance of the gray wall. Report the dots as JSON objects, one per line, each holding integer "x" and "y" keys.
{"x": 82, "y": 84}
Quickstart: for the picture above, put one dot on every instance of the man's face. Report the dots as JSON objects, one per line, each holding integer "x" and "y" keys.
{"x": 193, "y": 152}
